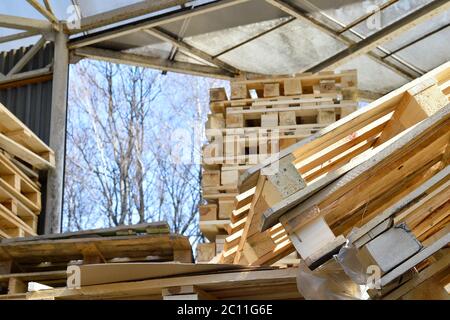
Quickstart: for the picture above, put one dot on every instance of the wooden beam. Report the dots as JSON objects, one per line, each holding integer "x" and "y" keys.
{"x": 46, "y": 13}
{"x": 304, "y": 17}
{"x": 18, "y": 36}
{"x": 152, "y": 22}
{"x": 27, "y": 57}
{"x": 386, "y": 34}
{"x": 166, "y": 36}
{"x": 21, "y": 23}
{"x": 149, "y": 62}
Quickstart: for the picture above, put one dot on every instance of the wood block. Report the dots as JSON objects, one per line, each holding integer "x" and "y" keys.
{"x": 206, "y": 252}
{"x": 211, "y": 178}
{"x": 217, "y": 94}
{"x": 292, "y": 87}
{"x": 220, "y": 242}
{"x": 271, "y": 90}
{"x": 311, "y": 237}
{"x": 229, "y": 177}
{"x": 327, "y": 86}
{"x": 269, "y": 120}
{"x": 235, "y": 120}
{"x": 16, "y": 285}
{"x": 208, "y": 212}
{"x": 226, "y": 207}
{"x": 389, "y": 249}
{"x": 238, "y": 91}
{"x": 287, "y": 118}
{"x": 215, "y": 121}
{"x": 326, "y": 116}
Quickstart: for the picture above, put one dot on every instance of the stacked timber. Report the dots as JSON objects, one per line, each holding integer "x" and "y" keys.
{"x": 46, "y": 259}
{"x": 22, "y": 156}
{"x": 373, "y": 186}
{"x": 263, "y": 116}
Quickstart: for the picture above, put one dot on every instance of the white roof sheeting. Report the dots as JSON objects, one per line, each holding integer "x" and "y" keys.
{"x": 292, "y": 48}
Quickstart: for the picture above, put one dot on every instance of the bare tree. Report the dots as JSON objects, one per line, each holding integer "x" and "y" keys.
{"x": 124, "y": 141}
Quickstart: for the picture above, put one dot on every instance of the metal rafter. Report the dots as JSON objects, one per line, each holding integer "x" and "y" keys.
{"x": 367, "y": 15}
{"x": 124, "y": 13}
{"x": 150, "y": 62}
{"x": 166, "y": 36}
{"x": 257, "y": 36}
{"x": 388, "y": 33}
{"x": 152, "y": 22}
{"x": 46, "y": 13}
{"x": 404, "y": 63}
{"x": 21, "y": 23}
{"x": 18, "y": 36}
{"x": 300, "y": 15}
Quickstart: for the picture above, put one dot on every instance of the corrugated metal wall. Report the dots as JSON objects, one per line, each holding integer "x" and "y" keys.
{"x": 31, "y": 103}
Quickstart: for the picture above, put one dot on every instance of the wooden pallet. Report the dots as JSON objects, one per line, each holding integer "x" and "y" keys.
{"x": 21, "y": 142}
{"x": 177, "y": 282}
{"x": 263, "y": 117}
{"x": 146, "y": 242}
{"x": 349, "y": 146}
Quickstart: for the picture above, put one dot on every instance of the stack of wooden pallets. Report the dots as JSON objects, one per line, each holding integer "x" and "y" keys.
{"x": 44, "y": 259}
{"x": 263, "y": 116}
{"x": 376, "y": 180}
{"x": 22, "y": 156}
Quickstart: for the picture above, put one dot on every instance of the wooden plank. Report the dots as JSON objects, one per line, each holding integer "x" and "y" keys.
{"x": 408, "y": 200}
{"x": 141, "y": 287}
{"x": 148, "y": 228}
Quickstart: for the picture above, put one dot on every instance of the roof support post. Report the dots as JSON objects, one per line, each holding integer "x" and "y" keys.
{"x": 55, "y": 182}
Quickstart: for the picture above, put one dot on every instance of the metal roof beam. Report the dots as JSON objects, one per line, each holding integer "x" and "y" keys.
{"x": 150, "y": 62}
{"x": 166, "y": 36}
{"x": 386, "y": 34}
{"x": 298, "y": 14}
{"x": 368, "y": 15}
{"x": 152, "y": 22}
{"x": 21, "y": 23}
{"x": 124, "y": 13}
